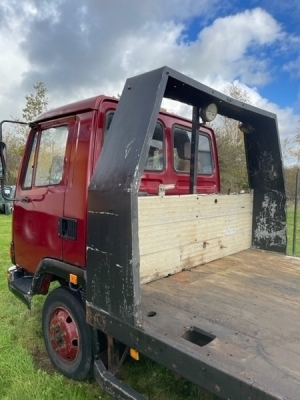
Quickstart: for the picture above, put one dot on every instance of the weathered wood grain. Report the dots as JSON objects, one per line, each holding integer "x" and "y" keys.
{"x": 181, "y": 232}
{"x": 250, "y": 301}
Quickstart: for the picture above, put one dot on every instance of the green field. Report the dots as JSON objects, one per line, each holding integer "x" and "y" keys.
{"x": 26, "y": 372}
{"x": 290, "y": 230}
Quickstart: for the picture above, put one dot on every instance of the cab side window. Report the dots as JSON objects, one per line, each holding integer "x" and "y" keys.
{"x": 46, "y": 167}
{"x": 51, "y": 154}
{"x": 30, "y": 165}
{"x": 156, "y": 155}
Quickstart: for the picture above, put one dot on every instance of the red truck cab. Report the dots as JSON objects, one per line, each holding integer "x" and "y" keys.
{"x": 64, "y": 144}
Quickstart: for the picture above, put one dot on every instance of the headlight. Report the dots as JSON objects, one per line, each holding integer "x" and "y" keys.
{"x": 209, "y": 112}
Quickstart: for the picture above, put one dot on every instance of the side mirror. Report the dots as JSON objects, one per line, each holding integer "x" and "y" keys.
{"x": 2, "y": 161}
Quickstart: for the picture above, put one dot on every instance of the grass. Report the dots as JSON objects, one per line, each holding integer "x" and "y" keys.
{"x": 290, "y": 231}
{"x": 26, "y": 372}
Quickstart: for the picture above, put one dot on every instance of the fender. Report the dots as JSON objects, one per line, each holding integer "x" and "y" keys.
{"x": 25, "y": 286}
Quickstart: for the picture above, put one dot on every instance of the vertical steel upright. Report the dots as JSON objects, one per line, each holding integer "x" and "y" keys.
{"x": 295, "y": 214}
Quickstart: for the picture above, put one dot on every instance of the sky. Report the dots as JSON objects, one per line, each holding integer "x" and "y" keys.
{"x": 81, "y": 49}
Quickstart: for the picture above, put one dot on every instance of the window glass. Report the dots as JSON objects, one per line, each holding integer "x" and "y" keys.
{"x": 156, "y": 155}
{"x": 51, "y": 156}
{"x": 108, "y": 119}
{"x": 30, "y": 165}
{"x": 182, "y": 152}
{"x": 155, "y": 160}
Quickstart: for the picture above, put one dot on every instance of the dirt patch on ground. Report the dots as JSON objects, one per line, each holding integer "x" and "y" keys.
{"x": 42, "y": 361}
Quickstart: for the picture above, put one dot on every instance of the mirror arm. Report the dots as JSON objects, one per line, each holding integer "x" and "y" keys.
{"x": 11, "y": 122}
{"x": 5, "y": 197}
{"x": 33, "y": 125}
{"x": 3, "y": 192}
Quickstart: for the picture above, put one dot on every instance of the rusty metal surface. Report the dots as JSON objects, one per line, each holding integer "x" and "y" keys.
{"x": 113, "y": 386}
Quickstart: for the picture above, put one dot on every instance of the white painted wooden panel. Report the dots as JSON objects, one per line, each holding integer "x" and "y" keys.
{"x": 181, "y": 232}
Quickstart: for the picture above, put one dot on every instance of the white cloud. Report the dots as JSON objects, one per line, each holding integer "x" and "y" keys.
{"x": 225, "y": 45}
{"x": 293, "y": 67}
{"x": 287, "y": 120}
{"x": 82, "y": 50}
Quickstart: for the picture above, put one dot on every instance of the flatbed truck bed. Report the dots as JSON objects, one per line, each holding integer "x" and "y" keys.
{"x": 229, "y": 325}
{"x": 247, "y": 306}
{"x": 139, "y": 247}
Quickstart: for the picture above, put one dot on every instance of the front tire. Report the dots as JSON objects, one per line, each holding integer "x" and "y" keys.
{"x": 67, "y": 336}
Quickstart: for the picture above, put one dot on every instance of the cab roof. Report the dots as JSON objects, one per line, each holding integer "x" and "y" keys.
{"x": 92, "y": 103}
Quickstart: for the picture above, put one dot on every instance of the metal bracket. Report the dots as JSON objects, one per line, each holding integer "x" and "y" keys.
{"x": 113, "y": 386}
{"x": 162, "y": 188}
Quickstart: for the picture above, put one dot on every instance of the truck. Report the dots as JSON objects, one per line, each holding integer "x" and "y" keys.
{"x": 6, "y": 204}
{"x": 119, "y": 203}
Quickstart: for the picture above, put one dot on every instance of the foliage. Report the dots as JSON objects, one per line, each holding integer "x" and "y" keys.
{"x": 15, "y": 144}
{"x": 290, "y": 148}
{"x": 36, "y": 102}
{"x": 290, "y": 174}
{"x": 15, "y": 137}
{"x": 231, "y": 149}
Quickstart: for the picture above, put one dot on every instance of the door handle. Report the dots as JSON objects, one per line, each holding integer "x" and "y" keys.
{"x": 25, "y": 200}
{"x": 67, "y": 228}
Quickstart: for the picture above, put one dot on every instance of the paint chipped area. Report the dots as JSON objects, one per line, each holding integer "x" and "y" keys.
{"x": 267, "y": 164}
{"x": 128, "y": 148}
{"x": 269, "y": 229}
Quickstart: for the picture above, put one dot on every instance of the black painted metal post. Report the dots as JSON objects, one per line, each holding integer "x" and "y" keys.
{"x": 194, "y": 151}
{"x": 295, "y": 214}
{"x": 113, "y": 354}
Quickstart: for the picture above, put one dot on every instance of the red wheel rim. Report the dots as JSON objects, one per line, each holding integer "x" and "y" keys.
{"x": 64, "y": 335}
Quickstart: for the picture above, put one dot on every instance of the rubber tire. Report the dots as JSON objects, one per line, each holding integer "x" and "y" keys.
{"x": 82, "y": 367}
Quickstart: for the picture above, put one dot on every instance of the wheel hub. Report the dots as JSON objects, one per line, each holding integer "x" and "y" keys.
{"x": 64, "y": 335}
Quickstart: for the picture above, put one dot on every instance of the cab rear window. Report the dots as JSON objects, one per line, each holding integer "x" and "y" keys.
{"x": 182, "y": 152}
{"x": 156, "y": 156}
{"x": 155, "y": 160}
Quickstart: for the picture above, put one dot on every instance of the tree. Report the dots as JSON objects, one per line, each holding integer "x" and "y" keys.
{"x": 16, "y": 136}
{"x": 290, "y": 174}
{"x": 36, "y": 102}
{"x": 290, "y": 147}
{"x": 231, "y": 149}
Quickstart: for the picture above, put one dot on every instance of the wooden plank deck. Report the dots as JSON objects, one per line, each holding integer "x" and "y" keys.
{"x": 186, "y": 231}
{"x": 251, "y": 302}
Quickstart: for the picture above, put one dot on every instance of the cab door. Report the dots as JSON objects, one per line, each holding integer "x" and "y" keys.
{"x": 41, "y": 192}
